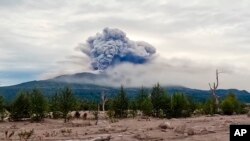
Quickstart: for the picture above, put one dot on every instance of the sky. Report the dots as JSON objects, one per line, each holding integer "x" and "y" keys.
{"x": 41, "y": 39}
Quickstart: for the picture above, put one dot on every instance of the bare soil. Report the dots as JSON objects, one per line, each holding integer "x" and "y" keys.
{"x": 202, "y": 128}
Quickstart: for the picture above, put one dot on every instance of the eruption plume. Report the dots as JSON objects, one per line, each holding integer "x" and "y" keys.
{"x": 112, "y": 47}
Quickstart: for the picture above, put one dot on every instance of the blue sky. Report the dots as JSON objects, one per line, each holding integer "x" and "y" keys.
{"x": 39, "y": 39}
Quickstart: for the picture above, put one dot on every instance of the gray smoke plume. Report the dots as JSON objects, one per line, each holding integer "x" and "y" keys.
{"x": 112, "y": 47}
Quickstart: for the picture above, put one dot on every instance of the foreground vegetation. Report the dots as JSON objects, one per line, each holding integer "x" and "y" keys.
{"x": 158, "y": 103}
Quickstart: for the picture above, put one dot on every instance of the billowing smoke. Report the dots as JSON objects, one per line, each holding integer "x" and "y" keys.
{"x": 112, "y": 47}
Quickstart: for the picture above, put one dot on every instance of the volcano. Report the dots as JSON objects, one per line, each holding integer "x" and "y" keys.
{"x": 84, "y": 86}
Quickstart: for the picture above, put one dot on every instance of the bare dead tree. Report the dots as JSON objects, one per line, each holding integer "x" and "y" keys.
{"x": 213, "y": 89}
{"x": 96, "y": 114}
{"x": 104, "y": 100}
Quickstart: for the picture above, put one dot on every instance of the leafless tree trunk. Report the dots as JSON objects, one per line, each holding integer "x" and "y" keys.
{"x": 213, "y": 89}
{"x": 97, "y": 114}
{"x": 104, "y": 100}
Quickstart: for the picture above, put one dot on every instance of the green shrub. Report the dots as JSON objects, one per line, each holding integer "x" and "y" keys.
{"x": 209, "y": 107}
{"x": 230, "y": 105}
{"x": 111, "y": 114}
{"x": 243, "y": 108}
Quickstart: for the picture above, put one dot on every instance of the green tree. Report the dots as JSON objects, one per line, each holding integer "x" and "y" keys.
{"x": 140, "y": 98}
{"x": 179, "y": 105}
{"x": 66, "y": 102}
{"x": 192, "y": 104}
{"x": 156, "y": 95}
{"x": 1, "y": 108}
{"x": 165, "y": 105}
{"x": 54, "y": 106}
{"x": 147, "y": 107}
{"x": 230, "y": 105}
{"x": 108, "y": 105}
{"x": 160, "y": 100}
{"x": 120, "y": 104}
{"x": 20, "y": 108}
{"x": 38, "y": 105}
{"x": 132, "y": 108}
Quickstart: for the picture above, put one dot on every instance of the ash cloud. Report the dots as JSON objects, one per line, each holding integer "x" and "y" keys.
{"x": 113, "y": 47}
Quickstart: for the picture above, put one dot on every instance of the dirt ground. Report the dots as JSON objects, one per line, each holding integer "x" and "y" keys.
{"x": 202, "y": 128}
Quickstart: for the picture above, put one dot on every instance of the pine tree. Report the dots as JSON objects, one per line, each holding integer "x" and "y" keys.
{"x": 179, "y": 104}
{"x": 38, "y": 105}
{"x": 160, "y": 100}
{"x": 20, "y": 108}
{"x": 120, "y": 104}
{"x": 66, "y": 102}
{"x": 147, "y": 107}
{"x": 141, "y": 98}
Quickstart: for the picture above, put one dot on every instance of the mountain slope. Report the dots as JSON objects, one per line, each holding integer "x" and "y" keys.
{"x": 83, "y": 87}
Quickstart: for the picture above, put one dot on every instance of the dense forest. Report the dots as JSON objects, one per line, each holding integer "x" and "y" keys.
{"x": 156, "y": 102}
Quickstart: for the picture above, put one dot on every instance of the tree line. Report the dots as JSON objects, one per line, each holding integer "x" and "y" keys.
{"x": 156, "y": 103}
